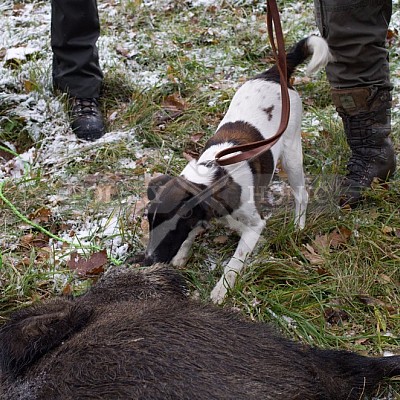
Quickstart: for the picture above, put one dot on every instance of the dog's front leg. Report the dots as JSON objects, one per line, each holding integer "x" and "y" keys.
{"x": 182, "y": 255}
{"x": 248, "y": 240}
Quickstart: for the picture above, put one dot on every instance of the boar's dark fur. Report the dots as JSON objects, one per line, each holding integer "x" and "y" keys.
{"x": 137, "y": 335}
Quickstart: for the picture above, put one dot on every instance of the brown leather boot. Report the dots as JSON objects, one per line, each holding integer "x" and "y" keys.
{"x": 365, "y": 112}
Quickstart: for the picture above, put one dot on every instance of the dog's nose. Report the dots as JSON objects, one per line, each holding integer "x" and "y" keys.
{"x": 148, "y": 260}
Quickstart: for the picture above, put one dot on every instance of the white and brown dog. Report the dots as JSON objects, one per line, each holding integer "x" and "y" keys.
{"x": 180, "y": 207}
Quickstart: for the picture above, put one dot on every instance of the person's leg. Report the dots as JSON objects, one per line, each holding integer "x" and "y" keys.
{"x": 75, "y": 29}
{"x": 360, "y": 80}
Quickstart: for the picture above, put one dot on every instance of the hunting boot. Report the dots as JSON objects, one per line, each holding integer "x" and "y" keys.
{"x": 86, "y": 119}
{"x": 365, "y": 112}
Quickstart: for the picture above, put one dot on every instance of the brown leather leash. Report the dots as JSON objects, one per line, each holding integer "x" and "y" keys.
{"x": 255, "y": 149}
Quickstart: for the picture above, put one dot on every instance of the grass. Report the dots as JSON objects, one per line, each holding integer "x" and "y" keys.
{"x": 335, "y": 284}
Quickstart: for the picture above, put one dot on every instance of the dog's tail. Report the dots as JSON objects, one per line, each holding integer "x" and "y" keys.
{"x": 314, "y": 46}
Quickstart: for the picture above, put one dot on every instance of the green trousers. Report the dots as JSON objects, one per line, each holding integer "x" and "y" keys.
{"x": 75, "y": 28}
{"x": 356, "y": 31}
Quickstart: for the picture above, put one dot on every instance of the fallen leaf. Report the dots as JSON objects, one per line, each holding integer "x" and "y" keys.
{"x": 27, "y": 239}
{"x": 174, "y": 101}
{"x": 391, "y": 36}
{"x": 38, "y": 240}
{"x": 18, "y": 8}
{"x": 334, "y": 315}
{"x": 42, "y": 214}
{"x": 384, "y": 279}
{"x": 94, "y": 265}
{"x": 374, "y": 302}
{"x": 388, "y": 230}
{"x": 30, "y": 86}
{"x": 43, "y": 254}
{"x": 4, "y": 154}
{"x": 221, "y": 239}
{"x": 172, "y": 107}
{"x": 196, "y": 137}
{"x": 139, "y": 206}
{"x": 67, "y": 290}
{"x": 145, "y": 229}
{"x": 104, "y": 193}
{"x": 361, "y": 340}
{"x": 339, "y": 236}
{"x": 311, "y": 256}
{"x": 321, "y": 243}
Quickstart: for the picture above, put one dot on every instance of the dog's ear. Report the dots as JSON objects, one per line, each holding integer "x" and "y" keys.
{"x": 155, "y": 184}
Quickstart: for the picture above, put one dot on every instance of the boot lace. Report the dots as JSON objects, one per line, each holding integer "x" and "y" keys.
{"x": 85, "y": 106}
{"x": 364, "y": 143}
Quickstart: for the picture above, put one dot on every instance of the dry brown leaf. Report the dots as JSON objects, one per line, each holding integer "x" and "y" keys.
{"x": 388, "y": 230}
{"x": 333, "y": 240}
{"x": 139, "y": 206}
{"x": 383, "y": 279}
{"x": 145, "y": 230}
{"x": 221, "y": 239}
{"x": 42, "y": 214}
{"x": 391, "y": 36}
{"x": 27, "y": 239}
{"x": 362, "y": 340}
{"x": 335, "y": 315}
{"x": 196, "y": 137}
{"x": 43, "y": 254}
{"x": 374, "y": 302}
{"x": 321, "y": 243}
{"x": 39, "y": 240}
{"x": 94, "y": 265}
{"x": 104, "y": 193}
{"x": 67, "y": 290}
{"x": 306, "y": 135}
{"x": 18, "y": 9}
{"x": 172, "y": 107}
{"x": 174, "y": 102}
{"x": 312, "y": 257}
{"x": 339, "y": 236}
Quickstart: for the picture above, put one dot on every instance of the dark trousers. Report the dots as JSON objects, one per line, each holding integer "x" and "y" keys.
{"x": 75, "y": 28}
{"x": 356, "y": 31}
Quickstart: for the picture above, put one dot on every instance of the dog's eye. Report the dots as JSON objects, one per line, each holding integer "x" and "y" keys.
{"x": 188, "y": 213}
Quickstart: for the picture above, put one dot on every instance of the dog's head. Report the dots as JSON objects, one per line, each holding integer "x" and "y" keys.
{"x": 177, "y": 206}
{"x": 171, "y": 216}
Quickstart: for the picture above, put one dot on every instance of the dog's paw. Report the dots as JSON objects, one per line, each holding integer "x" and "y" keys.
{"x": 220, "y": 290}
{"x": 179, "y": 262}
{"x": 226, "y": 282}
{"x": 218, "y": 293}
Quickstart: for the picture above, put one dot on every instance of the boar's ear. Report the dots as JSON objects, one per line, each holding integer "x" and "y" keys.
{"x": 36, "y": 330}
{"x": 155, "y": 184}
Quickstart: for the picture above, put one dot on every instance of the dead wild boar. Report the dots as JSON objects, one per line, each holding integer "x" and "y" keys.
{"x": 137, "y": 335}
